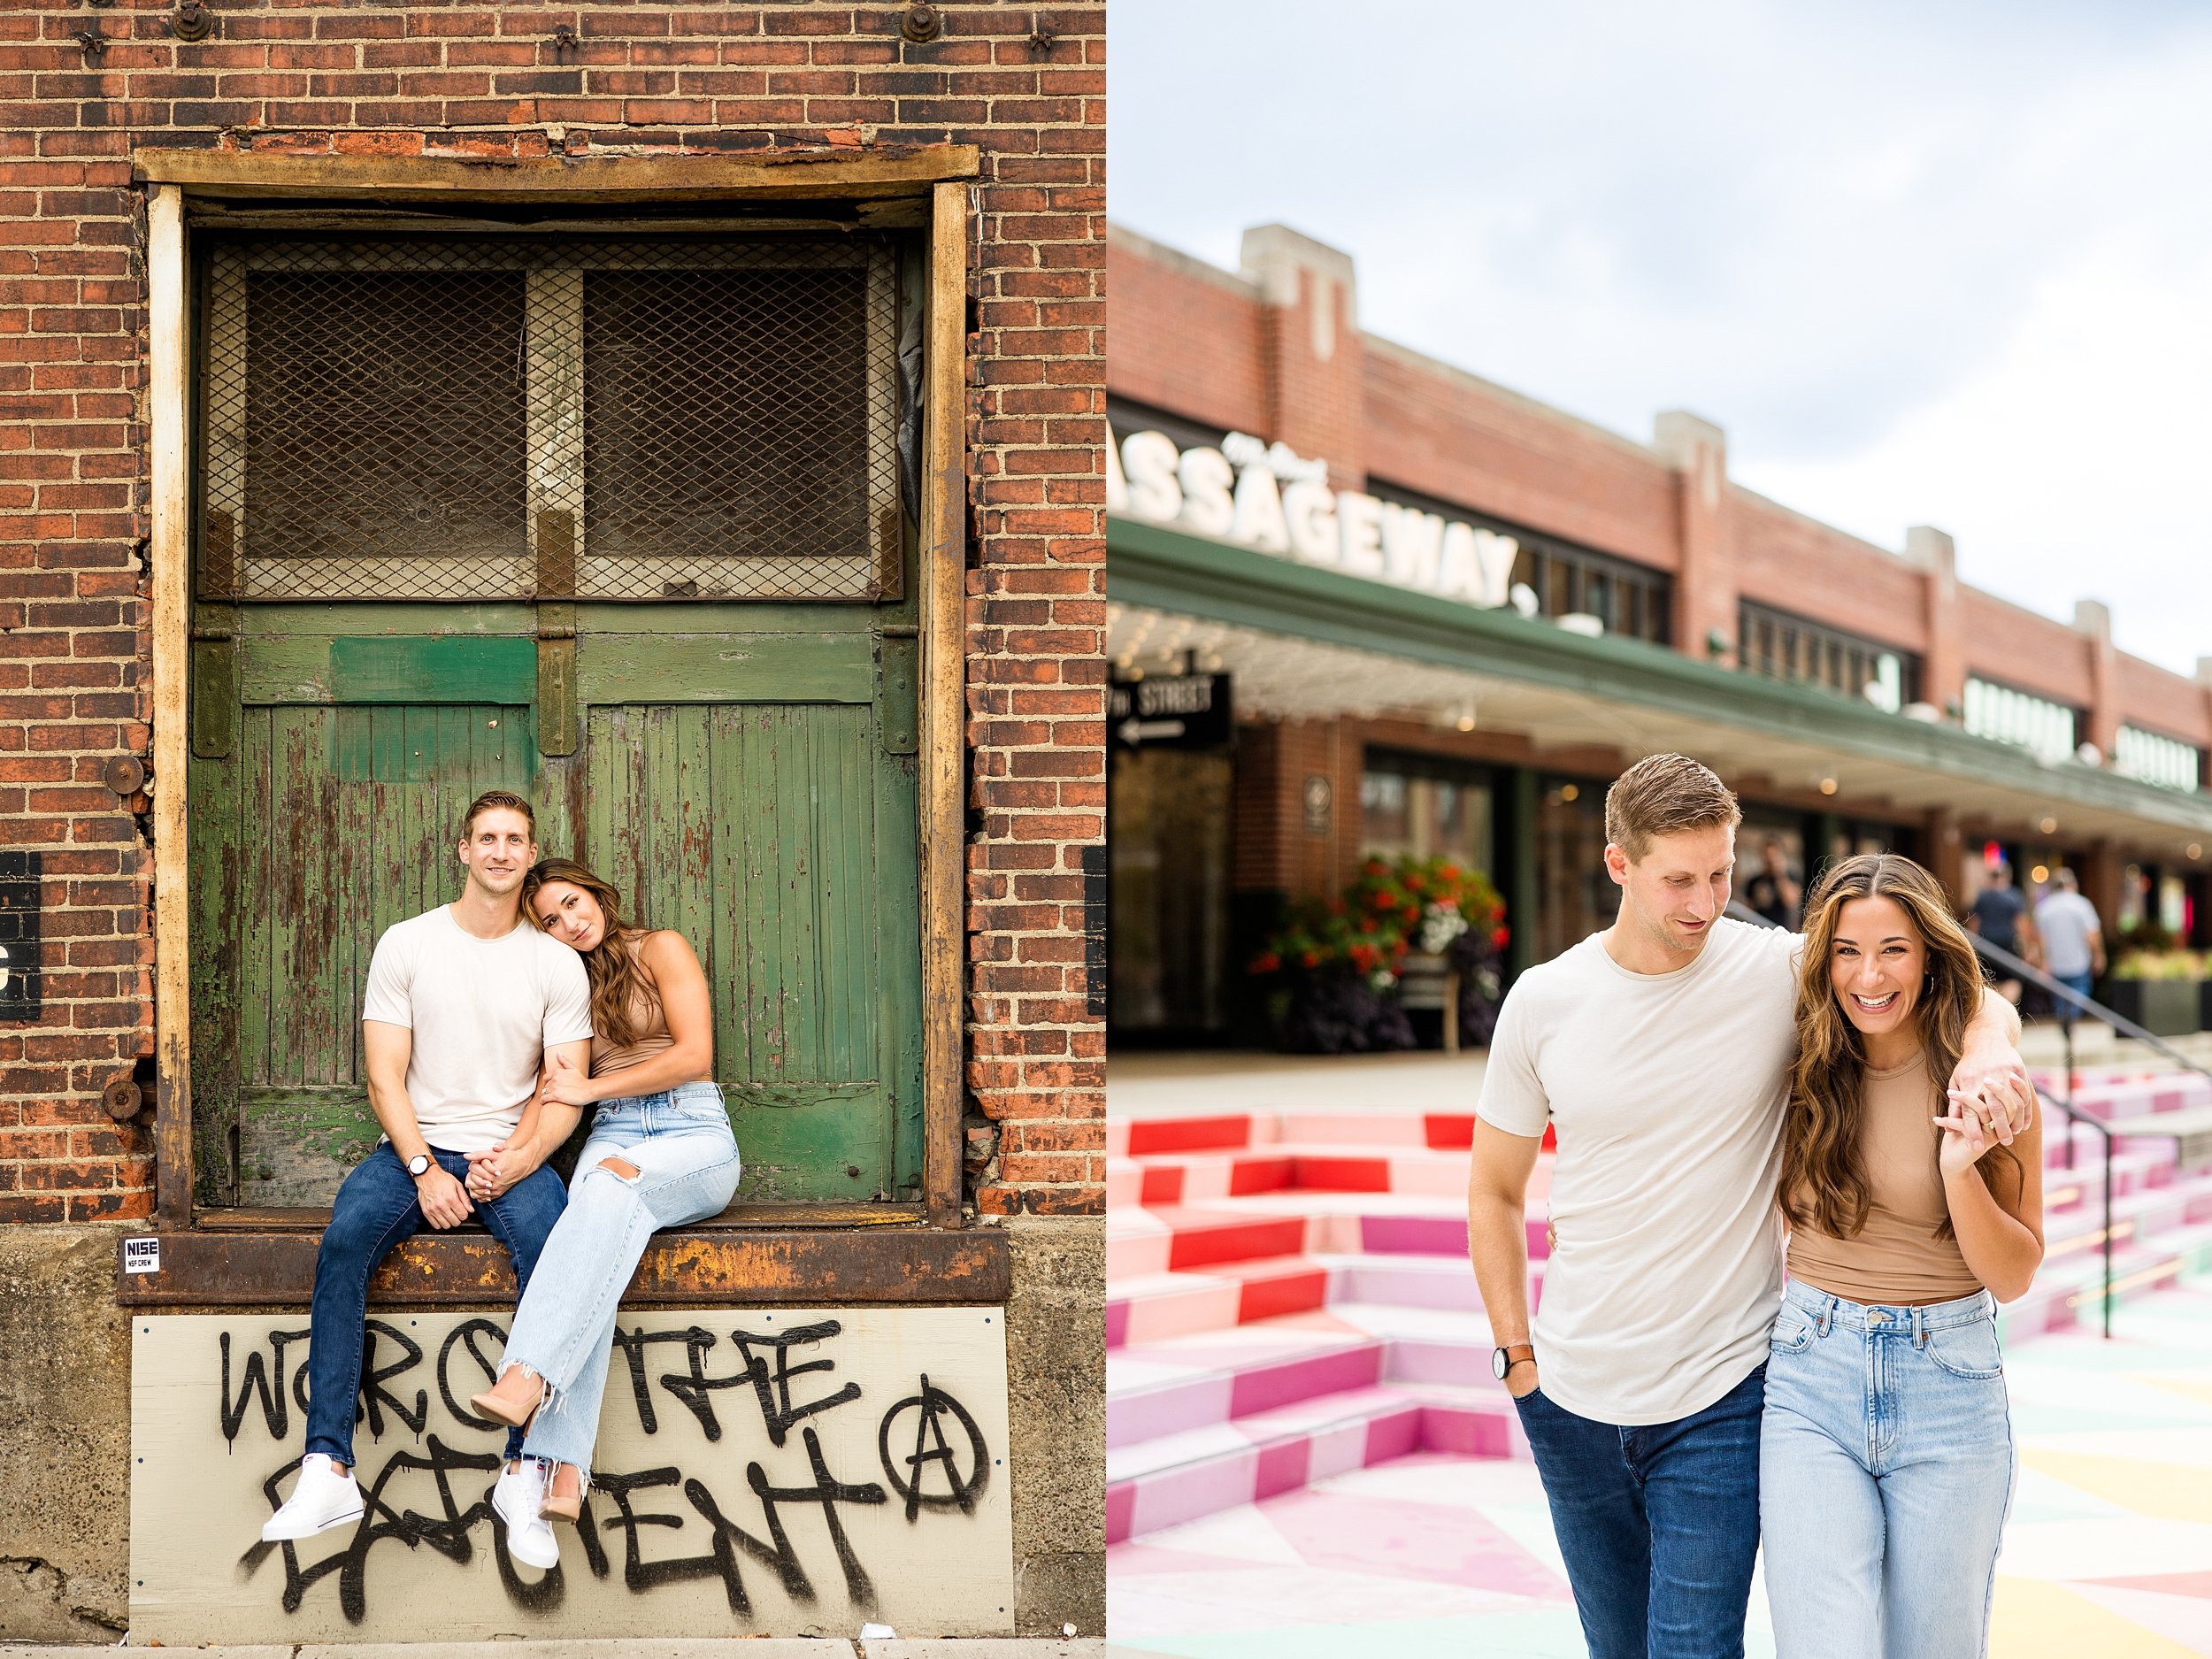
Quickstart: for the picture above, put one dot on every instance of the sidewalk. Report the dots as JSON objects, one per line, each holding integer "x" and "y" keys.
{"x": 2108, "y": 1551}
{"x": 717, "y": 1647}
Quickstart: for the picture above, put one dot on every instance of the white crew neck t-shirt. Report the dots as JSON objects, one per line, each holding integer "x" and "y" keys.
{"x": 1667, "y": 1091}
{"x": 483, "y": 1012}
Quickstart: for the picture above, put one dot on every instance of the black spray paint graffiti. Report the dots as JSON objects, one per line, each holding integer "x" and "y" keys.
{"x": 942, "y": 1471}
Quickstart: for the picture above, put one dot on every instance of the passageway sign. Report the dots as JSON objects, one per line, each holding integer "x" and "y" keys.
{"x": 1170, "y": 712}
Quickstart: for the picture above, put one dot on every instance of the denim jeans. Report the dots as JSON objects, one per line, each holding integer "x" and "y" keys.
{"x": 1886, "y": 1465}
{"x": 1658, "y": 1523}
{"x": 680, "y": 1144}
{"x": 377, "y": 1207}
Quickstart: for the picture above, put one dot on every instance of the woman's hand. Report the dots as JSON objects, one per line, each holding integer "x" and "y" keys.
{"x": 491, "y": 1173}
{"x": 1981, "y": 1120}
{"x": 561, "y": 1084}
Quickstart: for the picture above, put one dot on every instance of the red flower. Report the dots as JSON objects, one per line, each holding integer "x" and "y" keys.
{"x": 1312, "y": 958}
{"x": 1267, "y": 961}
{"x": 1499, "y": 936}
{"x": 1412, "y": 912}
{"x": 1362, "y": 958}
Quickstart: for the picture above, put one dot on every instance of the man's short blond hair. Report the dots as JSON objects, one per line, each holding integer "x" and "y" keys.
{"x": 1662, "y": 795}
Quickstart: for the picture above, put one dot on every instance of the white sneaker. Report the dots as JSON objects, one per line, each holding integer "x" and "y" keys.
{"x": 516, "y": 1497}
{"x": 321, "y": 1500}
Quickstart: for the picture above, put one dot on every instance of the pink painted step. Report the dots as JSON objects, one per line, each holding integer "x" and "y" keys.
{"x": 1182, "y": 1477}
{"x": 1163, "y": 1305}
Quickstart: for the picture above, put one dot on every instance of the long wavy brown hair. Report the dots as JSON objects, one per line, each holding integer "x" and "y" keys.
{"x": 1823, "y": 1179}
{"x": 619, "y": 978}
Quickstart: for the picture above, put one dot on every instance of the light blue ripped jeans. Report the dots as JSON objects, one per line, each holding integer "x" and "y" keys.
{"x": 1886, "y": 1471}
{"x": 686, "y": 1156}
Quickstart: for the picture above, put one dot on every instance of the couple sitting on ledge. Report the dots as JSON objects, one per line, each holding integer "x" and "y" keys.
{"x": 486, "y": 1033}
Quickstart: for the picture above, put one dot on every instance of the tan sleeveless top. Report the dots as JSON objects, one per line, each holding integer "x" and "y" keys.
{"x": 1895, "y": 1260}
{"x": 649, "y": 1021}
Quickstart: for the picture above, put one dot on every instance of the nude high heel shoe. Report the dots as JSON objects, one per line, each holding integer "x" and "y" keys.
{"x": 513, "y": 1400}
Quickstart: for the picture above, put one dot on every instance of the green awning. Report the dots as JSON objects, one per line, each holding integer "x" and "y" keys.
{"x": 1309, "y": 641}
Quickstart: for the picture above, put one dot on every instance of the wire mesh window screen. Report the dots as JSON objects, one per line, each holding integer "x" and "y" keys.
{"x": 504, "y": 420}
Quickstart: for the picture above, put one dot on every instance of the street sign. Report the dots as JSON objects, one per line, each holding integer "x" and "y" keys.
{"x": 1170, "y": 712}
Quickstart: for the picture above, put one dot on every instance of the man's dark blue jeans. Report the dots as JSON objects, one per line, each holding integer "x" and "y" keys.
{"x": 375, "y": 1208}
{"x": 1658, "y": 1523}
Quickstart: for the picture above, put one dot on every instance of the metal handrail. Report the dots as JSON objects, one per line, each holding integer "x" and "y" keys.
{"x": 2074, "y": 1116}
{"x": 2014, "y": 968}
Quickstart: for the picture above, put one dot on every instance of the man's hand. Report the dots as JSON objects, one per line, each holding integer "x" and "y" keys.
{"x": 445, "y": 1203}
{"x": 1990, "y": 1069}
{"x": 1522, "y": 1380}
{"x": 492, "y": 1172}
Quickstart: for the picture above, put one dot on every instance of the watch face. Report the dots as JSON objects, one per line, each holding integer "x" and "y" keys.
{"x": 1498, "y": 1365}
{"x": 418, "y": 1166}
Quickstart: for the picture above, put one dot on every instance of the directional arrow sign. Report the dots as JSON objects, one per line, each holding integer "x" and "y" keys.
{"x": 1135, "y": 732}
{"x": 1170, "y": 711}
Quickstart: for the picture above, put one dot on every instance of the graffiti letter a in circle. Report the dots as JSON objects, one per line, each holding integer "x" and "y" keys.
{"x": 910, "y": 1475}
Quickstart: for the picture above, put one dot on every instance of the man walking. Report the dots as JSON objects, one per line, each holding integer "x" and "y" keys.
{"x": 2000, "y": 915}
{"x": 1660, "y": 1051}
{"x": 2073, "y": 940}
{"x": 465, "y": 1005}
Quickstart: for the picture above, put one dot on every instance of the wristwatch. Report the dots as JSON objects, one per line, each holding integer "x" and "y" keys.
{"x": 419, "y": 1165}
{"x": 1502, "y": 1359}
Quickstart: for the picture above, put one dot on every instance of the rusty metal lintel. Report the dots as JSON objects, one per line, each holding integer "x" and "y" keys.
{"x": 687, "y": 1267}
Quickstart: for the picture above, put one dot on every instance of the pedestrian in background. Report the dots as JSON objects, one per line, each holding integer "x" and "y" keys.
{"x": 1774, "y": 890}
{"x": 2073, "y": 939}
{"x": 2000, "y": 915}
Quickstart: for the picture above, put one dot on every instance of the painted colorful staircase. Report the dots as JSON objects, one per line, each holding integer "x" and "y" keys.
{"x": 1288, "y": 1297}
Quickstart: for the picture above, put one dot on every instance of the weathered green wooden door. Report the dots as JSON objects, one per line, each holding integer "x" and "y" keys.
{"x": 738, "y": 757}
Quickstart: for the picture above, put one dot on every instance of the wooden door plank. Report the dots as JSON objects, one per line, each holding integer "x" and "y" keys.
{"x": 728, "y": 979}
{"x": 898, "y": 947}
{"x": 257, "y": 987}
{"x": 943, "y": 585}
{"x": 692, "y": 905}
{"x": 779, "y": 668}
{"x": 218, "y": 861}
{"x": 169, "y": 557}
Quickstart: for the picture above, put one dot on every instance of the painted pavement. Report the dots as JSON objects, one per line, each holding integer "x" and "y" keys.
{"x": 2109, "y": 1550}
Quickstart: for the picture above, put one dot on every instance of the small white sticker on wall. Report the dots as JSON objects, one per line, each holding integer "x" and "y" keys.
{"x": 141, "y": 1256}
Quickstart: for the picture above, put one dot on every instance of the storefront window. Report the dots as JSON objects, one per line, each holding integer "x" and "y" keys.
{"x": 1575, "y": 896}
{"x": 1169, "y": 870}
{"x": 1784, "y": 647}
{"x": 1428, "y": 808}
{"x": 2020, "y": 717}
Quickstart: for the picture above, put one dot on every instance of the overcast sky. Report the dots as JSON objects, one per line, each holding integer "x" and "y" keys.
{"x": 1946, "y": 265}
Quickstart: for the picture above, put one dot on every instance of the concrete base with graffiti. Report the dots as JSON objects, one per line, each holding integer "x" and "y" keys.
{"x": 789, "y": 1473}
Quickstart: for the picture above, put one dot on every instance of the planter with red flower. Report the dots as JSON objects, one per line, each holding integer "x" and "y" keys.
{"x": 1413, "y": 932}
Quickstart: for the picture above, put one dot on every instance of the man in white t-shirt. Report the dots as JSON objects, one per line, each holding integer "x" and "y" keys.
{"x": 466, "y": 1005}
{"x": 1659, "y": 1050}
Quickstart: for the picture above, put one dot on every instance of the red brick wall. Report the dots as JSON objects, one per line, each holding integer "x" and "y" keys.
{"x": 2003, "y": 643}
{"x": 1795, "y": 564}
{"x": 1450, "y": 436}
{"x": 1186, "y": 343}
{"x": 490, "y": 81}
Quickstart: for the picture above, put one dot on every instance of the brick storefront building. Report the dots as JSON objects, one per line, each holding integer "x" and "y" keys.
{"x": 1450, "y": 614}
{"x": 196, "y": 201}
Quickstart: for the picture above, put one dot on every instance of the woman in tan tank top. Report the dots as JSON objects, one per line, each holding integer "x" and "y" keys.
{"x": 660, "y": 1154}
{"x": 1886, "y": 1455}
